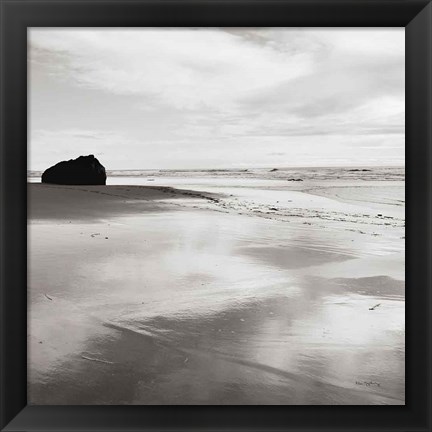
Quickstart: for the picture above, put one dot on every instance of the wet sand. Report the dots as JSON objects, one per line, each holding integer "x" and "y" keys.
{"x": 160, "y": 295}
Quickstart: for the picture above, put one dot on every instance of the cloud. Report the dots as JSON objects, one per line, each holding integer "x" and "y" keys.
{"x": 188, "y": 69}
{"x": 210, "y": 91}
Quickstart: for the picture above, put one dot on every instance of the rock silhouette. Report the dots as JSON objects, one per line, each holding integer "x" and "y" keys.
{"x": 85, "y": 170}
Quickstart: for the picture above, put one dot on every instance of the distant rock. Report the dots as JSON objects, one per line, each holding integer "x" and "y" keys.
{"x": 273, "y": 170}
{"x": 295, "y": 179}
{"x": 359, "y": 170}
{"x": 85, "y": 170}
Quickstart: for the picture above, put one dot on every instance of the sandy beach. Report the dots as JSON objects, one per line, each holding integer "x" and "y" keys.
{"x": 217, "y": 290}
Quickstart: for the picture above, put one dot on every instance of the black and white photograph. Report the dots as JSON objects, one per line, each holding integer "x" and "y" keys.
{"x": 216, "y": 216}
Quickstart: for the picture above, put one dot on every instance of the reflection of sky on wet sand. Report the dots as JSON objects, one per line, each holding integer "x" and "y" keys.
{"x": 185, "y": 311}
{"x": 281, "y": 350}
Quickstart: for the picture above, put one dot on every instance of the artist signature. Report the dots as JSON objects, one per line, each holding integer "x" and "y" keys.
{"x": 368, "y": 383}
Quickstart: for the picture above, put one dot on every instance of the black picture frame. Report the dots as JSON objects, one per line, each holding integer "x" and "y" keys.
{"x": 18, "y": 15}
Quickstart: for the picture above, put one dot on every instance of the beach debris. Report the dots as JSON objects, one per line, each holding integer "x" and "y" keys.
{"x": 374, "y": 307}
{"x": 96, "y": 360}
{"x": 273, "y": 170}
{"x": 48, "y": 297}
{"x": 273, "y": 208}
{"x": 379, "y": 215}
{"x": 294, "y": 179}
{"x": 241, "y": 319}
{"x": 94, "y": 234}
{"x": 186, "y": 360}
{"x": 106, "y": 238}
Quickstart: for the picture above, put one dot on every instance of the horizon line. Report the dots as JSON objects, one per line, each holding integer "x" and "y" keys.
{"x": 244, "y": 168}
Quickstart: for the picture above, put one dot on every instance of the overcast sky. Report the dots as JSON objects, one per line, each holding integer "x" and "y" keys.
{"x": 209, "y": 98}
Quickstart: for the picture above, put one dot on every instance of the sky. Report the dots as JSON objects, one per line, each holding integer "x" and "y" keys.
{"x": 190, "y": 98}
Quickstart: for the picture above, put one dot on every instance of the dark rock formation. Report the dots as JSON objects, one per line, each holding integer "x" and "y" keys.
{"x": 85, "y": 170}
{"x": 273, "y": 170}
